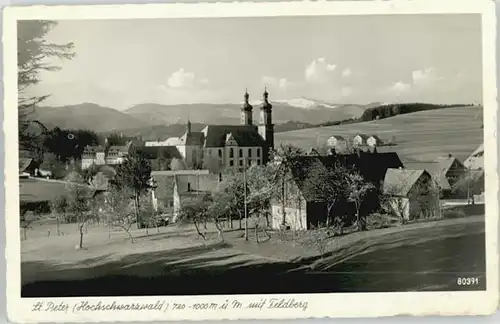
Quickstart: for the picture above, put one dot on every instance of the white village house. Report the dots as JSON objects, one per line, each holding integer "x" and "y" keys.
{"x": 374, "y": 140}
{"x": 336, "y": 141}
{"x": 359, "y": 140}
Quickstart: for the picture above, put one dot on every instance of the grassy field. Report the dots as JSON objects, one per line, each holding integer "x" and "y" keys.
{"x": 176, "y": 261}
{"x": 420, "y": 136}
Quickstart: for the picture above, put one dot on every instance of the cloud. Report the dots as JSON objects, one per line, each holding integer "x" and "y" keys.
{"x": 281, "y": 83}
{"x": 425, "y": 77}
{"x": 319, "y": 70}
{"x": 400, "y": 87}
{"x": 331, "y": 67}
{"x": 346, "y": 73}
{"x": 181, "y": 79}
{"x": 204, "y": 81}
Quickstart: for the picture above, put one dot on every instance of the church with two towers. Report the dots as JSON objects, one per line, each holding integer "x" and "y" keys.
{"x": 231, "y": 145}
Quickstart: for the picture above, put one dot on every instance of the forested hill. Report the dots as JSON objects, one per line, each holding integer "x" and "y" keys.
{"x": 391, "y": 110}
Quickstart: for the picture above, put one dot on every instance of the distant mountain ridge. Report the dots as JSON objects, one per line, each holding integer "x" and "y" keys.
{"x": 86, "y": 116}
{"x": 302, "y": 110}
{"x": 154, "y": 121}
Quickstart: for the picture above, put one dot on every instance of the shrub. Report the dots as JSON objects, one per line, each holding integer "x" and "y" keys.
{"x": 376, "y": 221}
{"x": 319, "y": 239}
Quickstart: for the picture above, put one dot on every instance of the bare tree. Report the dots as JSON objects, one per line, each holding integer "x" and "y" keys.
{"x": 59, "y": 207}
{"x": 195, "y": 210}
{"x": 26, "y": 221}
{"x": 78, "y": 204}
{"x": 231, "y": 190}
{"x": 284, "y": 161}
{"x": 260, "y": 195}
{"x": 393, "y": 203}
{"x": 119, "y": 205}
{"x": 357, "y": 189}
{"x": 326, "y": 183}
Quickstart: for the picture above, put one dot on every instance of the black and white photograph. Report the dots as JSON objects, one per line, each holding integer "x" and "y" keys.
{"x": 266, "y": 155}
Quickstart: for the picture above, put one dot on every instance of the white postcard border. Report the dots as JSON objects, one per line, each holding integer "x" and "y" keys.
{"x": 319, "y": 305}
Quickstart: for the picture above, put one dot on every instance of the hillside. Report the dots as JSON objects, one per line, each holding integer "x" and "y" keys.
{"x": 421, "y": 136}
{"x": 305, "y": 111}
{"x": 87, "y": 116}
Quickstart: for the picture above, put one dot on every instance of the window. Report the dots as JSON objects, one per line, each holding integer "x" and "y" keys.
{"x": 220, "y": 153}
{"x": 231, "y": 163}
{"x": 189, "y": 186}
{"x": 258, "y": 162}
{"x": 249, "y": 152}
{"x": 258, "y": 152}
{"x": 241, "y": 162}
{"x": 241, "y": 153}
{"x": 231, "y": 153}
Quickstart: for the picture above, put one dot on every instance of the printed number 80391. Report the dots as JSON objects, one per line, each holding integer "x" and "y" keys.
{"x": 468, "y": 281}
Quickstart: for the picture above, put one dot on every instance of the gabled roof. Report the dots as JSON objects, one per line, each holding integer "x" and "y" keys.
{"x": 399, "y": 182}
{"x": 378, "y": 140}
{"x": 434, "y": 169}
{"x": 338, "y": 137}
{"x": 446, "y": 162}
{"x": 476, "y": 160}
{"x": 363, "y": 136}
{"x": 192, "y": 138}
{"x": 244, "y": 135}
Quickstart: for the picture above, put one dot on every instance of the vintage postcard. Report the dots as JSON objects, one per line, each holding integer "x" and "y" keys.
{"x": 272, "y": 160}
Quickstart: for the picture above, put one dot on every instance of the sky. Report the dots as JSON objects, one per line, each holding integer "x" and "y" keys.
{"x": 340, "y": 59}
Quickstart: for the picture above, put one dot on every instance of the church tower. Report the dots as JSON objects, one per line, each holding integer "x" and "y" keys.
{"x": 266, "y": 126}
{"x": 188, "y": 127}
{"x": 246, "y": 111}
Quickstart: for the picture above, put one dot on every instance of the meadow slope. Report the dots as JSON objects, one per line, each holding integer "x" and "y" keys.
{"x": 421, "y": 136}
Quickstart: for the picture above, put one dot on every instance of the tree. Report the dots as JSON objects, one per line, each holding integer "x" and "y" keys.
{"x": 326, "y": 184}
{"x": 285, "y": 159}
{"x": 69, "y": 144}
{"x": 59, "y": 207}
{"x": 392, "y": 202}
{"x": 54, "y": 165}
{"x": 79, "y": 197}
{"x": 196, "y": 210}
{"x": 33, "y": 57}
{"x": 28, "y": 218}
{"x": 119, "y": 209}
{"x": 178, "y": 164}
{"x": 260, "y": 195}
{"x": 218, "y": 211}
{"x": 357, "y": 189}
{"x": 89, "y": 173}
{"x": 469, "y": 184}
{"x": 231, "y": 191}
{"x": 162, "y": 161}
{"x": 135, "y": 173}
{"x": 427, "y": 194}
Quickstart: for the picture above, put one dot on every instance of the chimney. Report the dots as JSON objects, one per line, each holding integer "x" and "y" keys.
{"x": 449, "y": 155}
